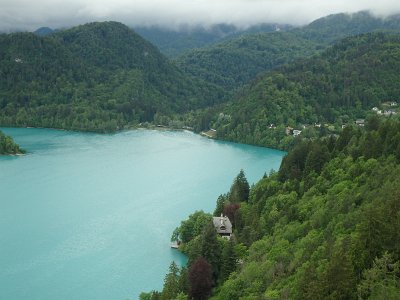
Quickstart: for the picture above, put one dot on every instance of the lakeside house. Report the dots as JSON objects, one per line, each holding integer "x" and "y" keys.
{"x": 223, "y": 226}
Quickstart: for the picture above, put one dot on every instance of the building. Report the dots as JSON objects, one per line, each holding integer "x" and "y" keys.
{"x": 360, "y": 122}
{"x": 296, "y": 132}
{"x": 289, "y": 130}
{"x": 223, "y": 226}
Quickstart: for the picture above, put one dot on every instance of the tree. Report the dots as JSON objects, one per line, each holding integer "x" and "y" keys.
{"x": 200, "y": 279}
{"x": 382, "y": 281}
{"x": 221, "y": 201}
{"x": 171, "y": 283}
{"x": 231, "y": 211}
{"x": 240, "y": 189}
{"x": 210, "y": 248}
{"x": 192, "y": 227}
{"x": 228, "y": 261}
{"x": 341, "y": 281}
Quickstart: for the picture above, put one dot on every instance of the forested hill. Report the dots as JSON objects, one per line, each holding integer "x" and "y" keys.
{"x": 235, "y": 62}
{"x": 335, "y": 87}
{"x": 8, "y": 146}
{"x": 98, "y": 76}
{"x": 334, "y": 27}
{"x": 326, "y": 226}
{"x": 174, "y": 42}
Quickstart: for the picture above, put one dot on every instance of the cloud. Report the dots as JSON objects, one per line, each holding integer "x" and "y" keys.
{"x": 29, "y": 15}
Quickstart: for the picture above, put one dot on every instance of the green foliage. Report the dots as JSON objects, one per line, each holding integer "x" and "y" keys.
{"x": 228, "y": 260}
{"x": 329, "y": 238}
{"x": 97, "y": 77}
{"x": 192, "y": 227}
{"x": 221, "y": 202}
{"x": 382, "y": 280}
{"x": 8, "y": 146}
{"x": 240, "y": 189}
{"x": 171, "y": 283}
{"x": 153, "y": 295}
{"x": 173, "y": 42}
{"x": 336, "y": 87}
{"x": 237, "y": 61}
{"x": 210, "y": 248}
{"x": 326, "y": 226}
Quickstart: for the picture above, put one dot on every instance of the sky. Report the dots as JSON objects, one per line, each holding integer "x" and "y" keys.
{"x": 32, "y": 14}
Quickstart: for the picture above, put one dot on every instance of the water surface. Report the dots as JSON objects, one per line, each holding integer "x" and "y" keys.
{"x": 89, "y": 216}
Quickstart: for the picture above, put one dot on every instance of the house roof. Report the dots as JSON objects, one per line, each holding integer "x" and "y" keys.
{"x": 222, "y": 224}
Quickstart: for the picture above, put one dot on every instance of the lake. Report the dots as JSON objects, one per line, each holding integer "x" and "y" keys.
{"x": 90, "y": 216}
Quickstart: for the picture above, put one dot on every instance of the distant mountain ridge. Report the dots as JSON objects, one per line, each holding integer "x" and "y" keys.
{"x": 176, "y": 42}
{"x": 235, "y": 62}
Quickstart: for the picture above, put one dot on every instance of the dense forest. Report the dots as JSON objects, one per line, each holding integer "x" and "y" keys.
{"x": 98, "y": 76}
{"x": 237, "y": 61}
{"x": 325, "y": 226}
{"x": 104, "y": 77}
{"x": 175, "y": 42}
{"x": 317, "y": 95}
{"x": 8, "y": 146}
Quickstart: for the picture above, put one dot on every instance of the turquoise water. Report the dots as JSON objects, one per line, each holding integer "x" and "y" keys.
{"x": 89, "y": 216}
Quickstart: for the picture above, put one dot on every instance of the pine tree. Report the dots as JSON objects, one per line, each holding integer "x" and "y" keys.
{"x": 240, "y": 188}
{"x": 171, "y": 283}
{"x": 210, "y": 248}
{"x": 228, "y": 261}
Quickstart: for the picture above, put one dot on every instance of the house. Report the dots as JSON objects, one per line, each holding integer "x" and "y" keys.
{"x": 289, "y": 130}
{"x": 223, "y": 226}
{"x": 296, "y": 132}
{"x": 360, "y": 122}
{"x": 389, "y": 112}
{"x": 375, "y": 109}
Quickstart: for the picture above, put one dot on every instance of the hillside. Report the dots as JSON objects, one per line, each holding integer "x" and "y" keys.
{"x": 335, "y": 87}
{"x": 236, "y": 61}
{"x": 332, "y": 28}
{"x": 98, "y": 76}
{"x": 326, "y": 226}
{"x": 174, "y": 42}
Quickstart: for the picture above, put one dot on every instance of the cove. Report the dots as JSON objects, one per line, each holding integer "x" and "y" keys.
{"x": 89, "y": 216}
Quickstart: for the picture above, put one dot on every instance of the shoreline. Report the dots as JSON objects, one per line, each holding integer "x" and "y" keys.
{"x": 150, "y": 127}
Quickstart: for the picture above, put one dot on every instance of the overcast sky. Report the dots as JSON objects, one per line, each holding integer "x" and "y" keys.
{"x": 29, "y": 15}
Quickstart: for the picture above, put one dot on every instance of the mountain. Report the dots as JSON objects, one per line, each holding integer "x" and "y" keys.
{"x": 335, "y": 87}
{"x": 234, "y": 62}
{"x": 335, "y": 27}
{"x": 175, "y": 42}
{"x": 237, "y": 61}
{"x": 43, "y": 31}
{"x": 98, "y": 76}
